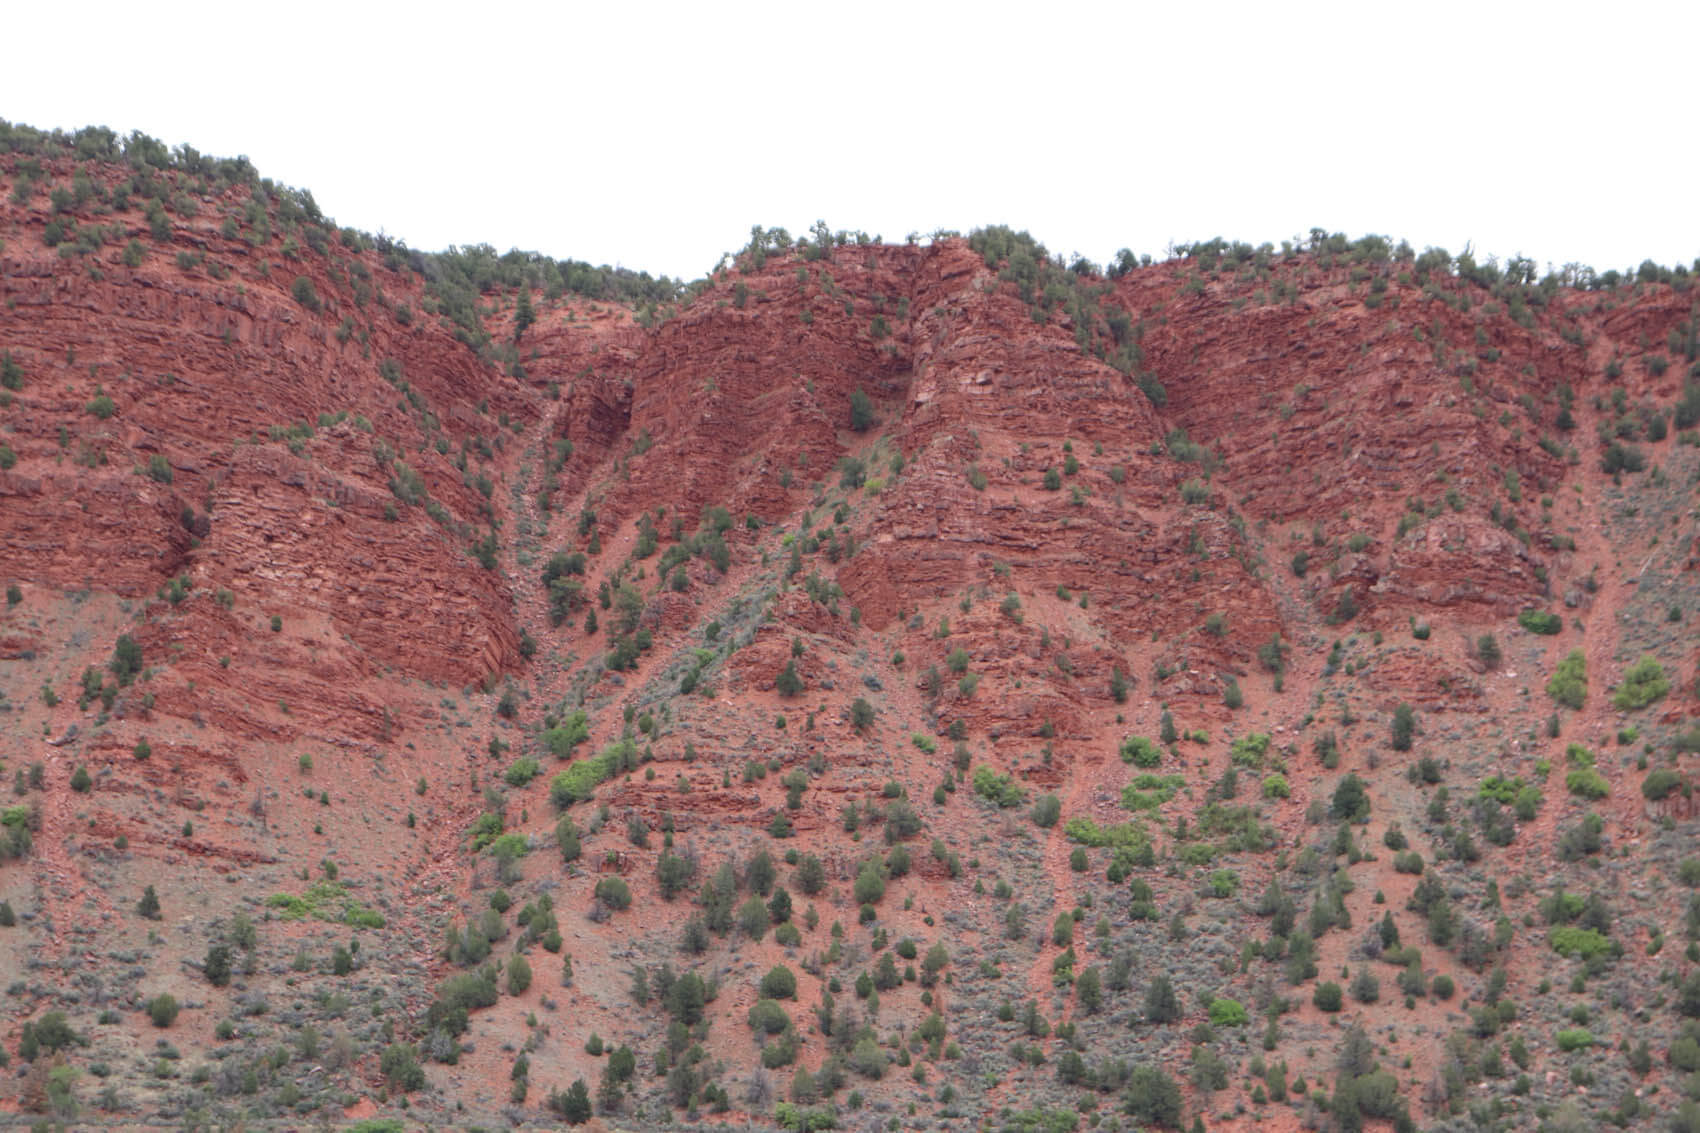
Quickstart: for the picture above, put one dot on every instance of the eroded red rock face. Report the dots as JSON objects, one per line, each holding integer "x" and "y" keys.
{"x": 276, "y": 424}
{"x": 267, "y": 456}
{"x": 160, "y": 406}
{"x": 294, "y": 425}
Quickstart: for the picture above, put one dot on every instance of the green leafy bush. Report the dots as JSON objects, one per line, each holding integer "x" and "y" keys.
{"x": 797, "y": 1119}
{"x": 326, "y": 901}
{"x": 162, "y": 1009}
{"x": 1620, "y": 457}
{"x": 1487, "y": 649}
{"x": 1222, "y": 883}
{"x": 305, "y": 293}
{"x": 510, "y": 847}
{"x": 562, "y": 581}
{"x": 768, "y": 1017}
{"x": 1148, "y": 792}
{"x": 1644, "y": 683}
{"x": 1569, "y": 683}
{"x": 1000, "y": 789}
{"x": 1574, "y": 942}
{"x": 1226, "y": 1012}
{"x": 1089, "y": 833}
{"x": 579, "y": 781}
{"x": 1540, "y": 621}
{"x": 1661, "y": 783}
{"x": 1046, "y": 811}
{"x": 861, "y": 412}
{"x": 1500, "y": 789}
{"x": 1249, "y": 750}
{"x": 1404, "y": 726}
{"x": 1350, "y": 800}
{"x": 614, "y": 893}
{"x": 869, "y": 885}
{"x": 1153, "y": 1098}
{"x": 1587, "y": 783}
{"x": 400, "y": 1066}
{"x": 1142, "y": 752}
{"x": 779, "y": 983}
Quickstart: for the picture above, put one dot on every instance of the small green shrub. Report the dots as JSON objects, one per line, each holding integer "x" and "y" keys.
{"x": 1661, "y": 783}
{"x": 768, "y": 1017}
{"x": 305, "y": 293}
{"x": 1540, "y": 621}
{"x": 1569, "y": 682}
{"x": 521, "y": 772}
{"x": 779, "y": 983}
{"x": 1141, "y": 752}
{"x": 162, "y": 1009}
{"x": 1404, "y": 726}
{"x": 1350, "y": 801}
{"x": 1620, "y": 457}
{"x": 1587, "y": 783}
{"x": 1222, "y": 883}
{"x": 1149, "y": 792}
{"x": 1574, "y": 942}
{"x": 861, "y": 408}
{"x": 1644, "y": 683}
{"x": 614, "y": 893}
{"x": 1046, "y": 811}
{"x": 1487, "y": 649}
{"x": 1000, "y": 789}
{"x": 400, "y": 1066}
{"x": 1249, "y": 750}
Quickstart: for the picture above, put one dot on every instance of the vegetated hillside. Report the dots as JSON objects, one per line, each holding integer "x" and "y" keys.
{"x": 893, "y": 686}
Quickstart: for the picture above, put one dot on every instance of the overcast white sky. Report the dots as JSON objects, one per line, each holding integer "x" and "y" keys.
{"x": 655, "y": 135}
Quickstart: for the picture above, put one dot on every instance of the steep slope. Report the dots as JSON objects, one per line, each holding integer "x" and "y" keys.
{"x": 919, "y": 684}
